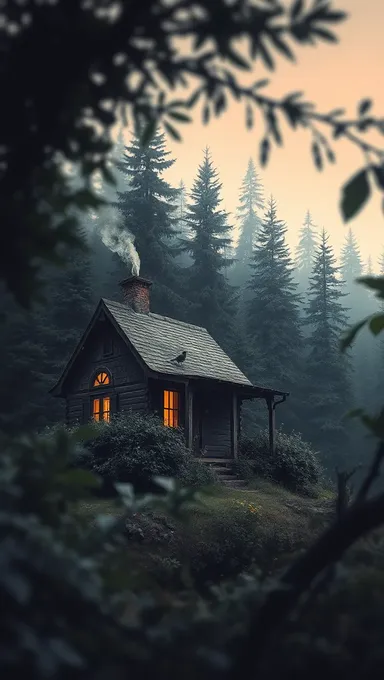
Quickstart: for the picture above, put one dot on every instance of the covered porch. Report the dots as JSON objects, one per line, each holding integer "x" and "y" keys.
{"x": 213, "y": 416}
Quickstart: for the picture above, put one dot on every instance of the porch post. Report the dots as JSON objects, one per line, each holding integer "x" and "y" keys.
{"x": 189, "y": 415}
{"x": 271, "y": 424}
{"x": 235, "y": 425}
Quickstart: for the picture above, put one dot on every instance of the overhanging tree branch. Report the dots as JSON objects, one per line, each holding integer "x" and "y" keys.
{"x": 361, "y": 518}
{"x": 105, "y": 56}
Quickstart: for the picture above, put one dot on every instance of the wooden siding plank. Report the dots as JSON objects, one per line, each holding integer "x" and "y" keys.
{"x": 235, "y": 424}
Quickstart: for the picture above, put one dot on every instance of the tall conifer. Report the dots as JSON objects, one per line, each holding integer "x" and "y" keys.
{"x": 328, "y": 390}
{"x": 272, "y": 319}
{"x": 249, "y": 215}
{"x": 211, "y": 295}
{"x": 148, "y": 211}
{"x": 368, "y": 268}
{"x": 351, "y": 265}
{"x": 305, "y": 252}
{"x": 24, "y": 381}
{"x": 182, "y": 226}
{"x": 68, "y": 307}
{"x": 380, "y": 380}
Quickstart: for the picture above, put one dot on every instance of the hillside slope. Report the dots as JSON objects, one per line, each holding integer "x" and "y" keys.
{"x": 232, "y": 531}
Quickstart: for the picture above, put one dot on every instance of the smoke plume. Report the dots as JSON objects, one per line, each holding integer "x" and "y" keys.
{"x": 121, "y": 241}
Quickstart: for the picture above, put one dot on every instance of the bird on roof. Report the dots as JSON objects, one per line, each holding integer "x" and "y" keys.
{"x": 180, "y": 358}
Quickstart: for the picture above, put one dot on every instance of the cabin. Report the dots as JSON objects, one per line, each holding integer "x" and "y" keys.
{"x": 131, "y": 359}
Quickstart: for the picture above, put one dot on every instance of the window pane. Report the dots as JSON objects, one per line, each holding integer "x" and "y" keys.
{"x": 101, "y": 379}
{"x": 175, "y": 419}
{"x": 175, "y": 400}
{"x": 166, "y": 417}
{"x": 166, "y": 399}
{"x": 106, "y": 408}
{"x": 171, "y": 399}
{"x": 96, "y": 409}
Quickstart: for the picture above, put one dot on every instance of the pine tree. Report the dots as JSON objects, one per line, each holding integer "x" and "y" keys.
{"x": 351, "y": 266}
{"x": 251, "y": 202}
{"x": 183, "y": 229}
{"x": 328, "y": 393}
{"x": 273, "y": 320}
{"x": 305, "y": 252}
{"x": 147, "y": 211}
{"x": 67, "y": 310}
{"x": 363, "y": 350}
{"x": 368, "y": 268}
{"x": 183, "y": 226}
{"x": 38, "y": 343}
{"x": 209, "y": 291}
{"x": 380, "y": 373}
{"x": 381, "y": 264}
{"x": 24, "y": 385}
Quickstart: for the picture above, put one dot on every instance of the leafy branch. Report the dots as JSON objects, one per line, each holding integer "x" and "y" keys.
{"x": 363, "y": 516}
{"x": 109, "y": 59}
{"x": 298, "y": 114}
{"x": 375, "y": 322}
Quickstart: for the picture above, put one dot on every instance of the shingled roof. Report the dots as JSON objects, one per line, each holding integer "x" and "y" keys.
{"x": 159, "y": 339}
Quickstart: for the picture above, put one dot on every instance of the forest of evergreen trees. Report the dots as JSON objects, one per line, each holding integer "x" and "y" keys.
{"x": 278, "y": 314}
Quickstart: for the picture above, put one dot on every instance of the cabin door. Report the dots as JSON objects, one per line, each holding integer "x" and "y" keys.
{"x": 216, "y": 424}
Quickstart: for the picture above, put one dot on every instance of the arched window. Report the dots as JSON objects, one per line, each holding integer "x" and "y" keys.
{"x": 101, "y": 379}
{"x": 101, "y": 405}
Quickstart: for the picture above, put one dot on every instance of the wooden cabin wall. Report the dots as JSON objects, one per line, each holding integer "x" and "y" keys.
{"x": 133, "y": 397}
{"x": 129, "y": 390}
{"x": 74, "y": 410}
{"x": 216, "y": 424}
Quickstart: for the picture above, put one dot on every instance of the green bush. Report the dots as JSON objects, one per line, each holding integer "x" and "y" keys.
{"x": 70, "y": 608}
{"x": 196, "y": 475}
{"x": 150, "y": 528}
{"x": 225, "y": 546}
{"x": 294, "y": 463}
{"x": 135, "y": 449}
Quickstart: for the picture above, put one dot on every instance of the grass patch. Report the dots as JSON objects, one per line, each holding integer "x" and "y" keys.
{"x": 233, "y": 530}
{"x": 91, "y": 508}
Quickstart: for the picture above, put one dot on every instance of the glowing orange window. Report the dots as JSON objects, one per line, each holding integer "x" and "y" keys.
{"x": 101, "y": 379}
{"x": 171, "y": 408}
{"x": 102, "y": 409}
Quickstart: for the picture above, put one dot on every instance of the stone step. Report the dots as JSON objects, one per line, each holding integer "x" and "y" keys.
{"x": 224, "y": 471}
{"x": 235, "y": 483}
{"x": 216, "y": 461}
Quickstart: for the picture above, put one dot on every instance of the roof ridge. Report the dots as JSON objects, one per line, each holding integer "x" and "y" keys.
{"x": 159, "y": 316}
{"x": 103, "y": 299}
{"x": 178, "y": 322}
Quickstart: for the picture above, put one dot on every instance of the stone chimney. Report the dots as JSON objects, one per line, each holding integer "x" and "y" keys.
{"x": 136, "y": 293}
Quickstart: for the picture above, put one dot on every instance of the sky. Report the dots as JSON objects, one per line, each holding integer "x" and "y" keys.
{"x": 332, "y": 76}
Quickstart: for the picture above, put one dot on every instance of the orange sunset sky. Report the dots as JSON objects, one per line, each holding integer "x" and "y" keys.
{"x": 331, "y": 75}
